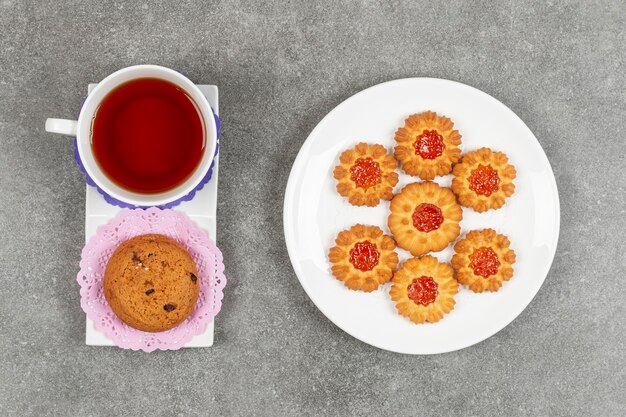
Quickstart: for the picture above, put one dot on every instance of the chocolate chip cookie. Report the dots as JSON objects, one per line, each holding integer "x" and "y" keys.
{"x": 151, "y": 283}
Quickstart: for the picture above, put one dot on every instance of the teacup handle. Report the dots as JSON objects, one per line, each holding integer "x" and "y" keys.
{"x": 62, "y": 126}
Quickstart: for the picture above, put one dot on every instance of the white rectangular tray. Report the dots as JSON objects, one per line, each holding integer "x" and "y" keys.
{"x": 202, "y": 210}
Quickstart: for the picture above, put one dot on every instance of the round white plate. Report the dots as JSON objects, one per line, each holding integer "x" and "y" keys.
{"x": 314, "y": 213}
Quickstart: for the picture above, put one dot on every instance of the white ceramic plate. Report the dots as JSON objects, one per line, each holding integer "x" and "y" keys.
{"x": 314, "y": 213}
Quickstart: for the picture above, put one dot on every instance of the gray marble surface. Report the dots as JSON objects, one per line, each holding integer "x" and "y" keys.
{"x": 281, "y": 66}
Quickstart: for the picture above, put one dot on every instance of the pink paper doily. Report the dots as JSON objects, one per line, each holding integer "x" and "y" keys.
{"x": 130, "y": 223}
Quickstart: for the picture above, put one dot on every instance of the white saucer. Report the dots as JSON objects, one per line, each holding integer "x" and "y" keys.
{"x": 201, "y": 209}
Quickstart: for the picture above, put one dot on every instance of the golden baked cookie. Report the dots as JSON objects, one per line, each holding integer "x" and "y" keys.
{"x": 482, "y": 260}
{"x": 424, "y": 217}
{"x": 483, "y": 179}
{"x": 427, "y": 145}
{"x": 364, "y": 258}
{"x": 366, "y": 175}
{"x": 424, "y": 289}
{"x": 151, "y": 283}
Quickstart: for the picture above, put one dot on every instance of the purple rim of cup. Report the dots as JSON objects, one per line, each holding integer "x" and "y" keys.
{"x": 114, "y": 201}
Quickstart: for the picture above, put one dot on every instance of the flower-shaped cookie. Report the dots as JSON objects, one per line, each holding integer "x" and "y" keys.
{"x": 366, "y": 175}
{"x": 482, "y": 260}
{"x": 427, "y": 145}
{"x": 424, "y": 217}
{"x": 483, "y": 179}
{"x": 424, "y": 289}
{"x": 364, "y": 258}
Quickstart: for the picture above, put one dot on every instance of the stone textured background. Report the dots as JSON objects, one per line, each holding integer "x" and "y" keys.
{"x": 281, "y": 66}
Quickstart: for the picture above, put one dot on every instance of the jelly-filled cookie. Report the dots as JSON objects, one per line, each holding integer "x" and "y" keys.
{"x": 424, "y": 217}
{"x": 151, "y": 283}
{"x": 427, "y": 145}
{"x": 424, "y": 289}
{"x": 483, "y": 260}
{"x": 363, "y": 258}
{"x": 366, "y": 175}
{"x": 483, "y": 179}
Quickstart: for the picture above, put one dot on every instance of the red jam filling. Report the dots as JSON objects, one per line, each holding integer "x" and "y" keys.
{"x": 484, "y": 180}
{"x": 429, "y": 145}
{"x": 484, "y": 261}
{"x": 364, "y": 256}
{"x": 365, "y": 172}
{"x": 423, "y": 290}
{"x": 427, "y": 217}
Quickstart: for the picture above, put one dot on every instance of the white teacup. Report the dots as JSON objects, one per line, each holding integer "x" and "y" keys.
{"x": 81, "y": 129}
